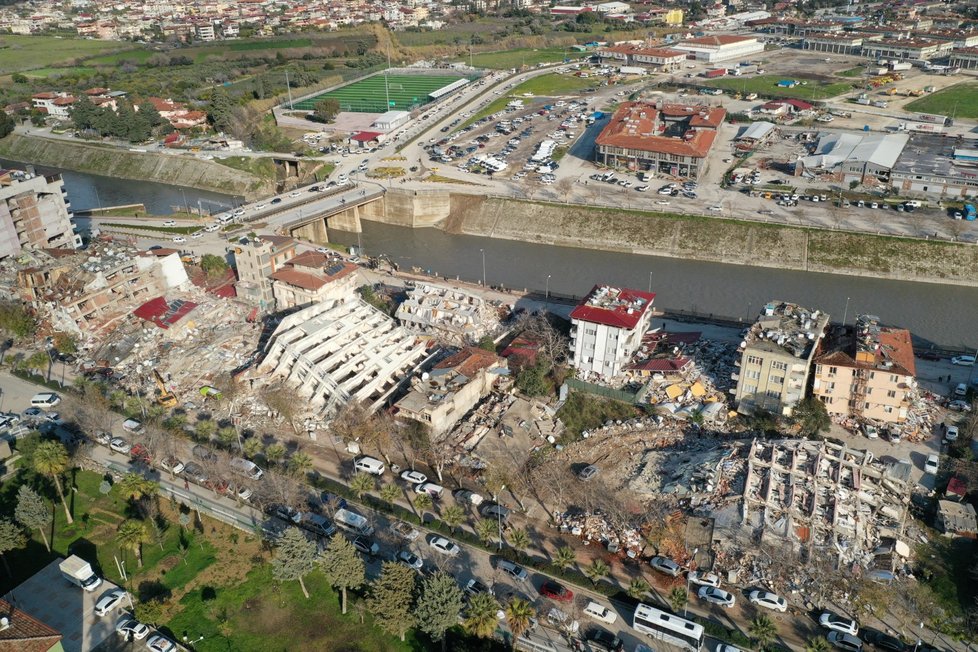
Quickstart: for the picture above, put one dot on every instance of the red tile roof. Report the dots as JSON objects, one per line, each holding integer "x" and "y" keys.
{"x": 304, "y": 280}
{"x": 25, "y": 633}
{"x": 663, "y": 365}
{"x": 365, "y": 136}
{"x": 469, "y": 361}
{"x": 620, "y": 308}
{"x": 638, "y": 125}
{"x": 164, "y": 314}
{"x": 720, "y": 39}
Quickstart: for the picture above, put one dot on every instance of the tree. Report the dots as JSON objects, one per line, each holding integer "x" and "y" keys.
{"x": 252, "y": 447}
{"x": 83, "y": 113}
{"x": 51, "y": 459}
{"x": 811, "y": 416}
{"x": 280, "y": 400}
{"x": 205, "y": 429}
{"x": 482, "y": 616}
{"x": 213, "y": 266}
{"x": 598, "y": 569}
{"x": 132, "y": 534}
{"x": 135, "y": 487}
{"x": 519, "y": 541}
{"x": 361, "y": 484}
{"x": 678, "y": 598}
{"x": 389, "y": 493}
{"x": 274, "y": 453}
{"x": 32, "y": 512}
{"x": 325, "y": 110}
{"x": 853, "y": 185}
{"x": 294, "y": 559}
{"x": 300, "y": 464}
{"x": 391, "y": 598}
{"x": 519, "y": 613}
{"x": 487, "y": 530}
{"x": 37, "y": 362}
{"x": 817, "y": 644}
{"x": 151, "y": 612}
{"x": 150, "y": 114}
{"x": 342, "y": 566}
{"x": 564, "y": 558}
{"x": 439, "y": 605}
{"x": 220, "y": 110}
{"x": 11, "y": 538}
{"x": 65, "y": 344}
{"x": 762, "y": 630}
{"x": 452, "y": 516}
{"x": 638, "y": 588}
{"x": 487, "y": 343}
{"x": 422, "y": 502}
{"x": 15, "y": 319}
{"x": 7, "y": 125}
{"x": 532, "y": 381}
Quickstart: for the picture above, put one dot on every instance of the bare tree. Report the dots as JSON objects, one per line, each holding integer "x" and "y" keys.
{"x": 355, "y": 423}
{"x": 281, "y": 400}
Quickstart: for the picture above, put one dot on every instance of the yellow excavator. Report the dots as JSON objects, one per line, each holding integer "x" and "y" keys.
{"x": 166, "y": 398}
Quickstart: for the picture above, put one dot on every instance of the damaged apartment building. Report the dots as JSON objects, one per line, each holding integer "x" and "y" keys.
{"x": 34, "y": 214}
{"x": 825, "y": 497}
{"x": 607, "y": 328}
{"x": 342, "y": 350}
{"x": 776, "y": 358}
{"x": 82, "y": 291}
{"x": 455, "y": 316}
{"x": 867, "y": 372}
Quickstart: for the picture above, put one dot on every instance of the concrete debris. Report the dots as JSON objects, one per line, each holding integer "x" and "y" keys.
{"x": 592, "y": 527}
{"x": 456, "y": 316}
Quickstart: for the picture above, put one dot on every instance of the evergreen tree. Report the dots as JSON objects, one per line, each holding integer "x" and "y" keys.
{"x": 11, "y": 538}
{"x": 148, "y": 110}
{"x": 83, "y": 113}
{"x": 391, "y": 598}
{"x": 7, "y": 124}
{"x": 132, "y": 535}
{"x": 294, "y": 559}
{"x": 220, "y": 110}
{"x": 439, "y": 606}
{"x": 762, "y": 631}
{"x": 32, "y": 512}
{"x": 519, "y": 614}
{"x": 343, "y": 567}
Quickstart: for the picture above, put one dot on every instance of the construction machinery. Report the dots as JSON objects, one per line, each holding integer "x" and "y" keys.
{"x": 166, "y": 398}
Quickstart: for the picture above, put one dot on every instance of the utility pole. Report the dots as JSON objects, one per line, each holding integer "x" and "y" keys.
{"x": 288, "y": 88}
{"x": 387, "y": 88}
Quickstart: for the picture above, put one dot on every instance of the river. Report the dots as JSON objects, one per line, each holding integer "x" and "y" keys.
{"x": 93, "y": 191}
{"x": 942, "y": 314}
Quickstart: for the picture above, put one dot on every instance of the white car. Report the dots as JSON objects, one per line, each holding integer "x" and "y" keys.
{"x": 179, "y": 239}
{"x": 210, "y": 228}
{"x": 258, "y": 207}
{"x": 170, "y": 223}
{"x": 197, "y": 234}
{"x": 444, "y": 546}
{"x": 932, "y": 464}
{"x": 410, "y": 559}
{"x": 665, "y": 565}
{"x": 642, "y": 189}
{"x": 160, "y": 643}
{"x": 837, "y": 623}
{"x": 951, "y": 434}
{"x": 704, "y": 579}
{"x": 414, "y": 477}
{"x": 768, "y": 601}
{"x": 600, "y": 612}
{"x": 963, "y": 360}
{"x": 109, "y": 601}
{"x": 716, "y": 596}
{"x": 172, "y": 464}
{"x": 120, "y": 445}
{"x": 293, "y": 194}
{"x": 870, "y": 431}
{"x": 132, "y": 629}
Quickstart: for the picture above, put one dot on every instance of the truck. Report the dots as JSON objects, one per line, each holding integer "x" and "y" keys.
{"x": 79, "y": 572}
{"x": 901, "y": 65}
{"x": 931, "y": 117}
{"x": 353, "y": 522}
{"x": 969, "y": 212}
{"x": 921, "y": 127}
{"x": 715, "y": 72}
{"x": 880, "y": 104}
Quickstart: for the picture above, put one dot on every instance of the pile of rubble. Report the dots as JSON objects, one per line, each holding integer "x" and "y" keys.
{"x": 455, "y": 316}
{"x": 592, "y": 527}
{"x": 708, "y": 475}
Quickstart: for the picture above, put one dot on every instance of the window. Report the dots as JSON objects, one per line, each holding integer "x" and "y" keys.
{"x": 772, "y": 393}
{"x": 894, "y": 378}
{"x": 833, "y": 371}
{"x": 872, "y": 375}
{"x": 779, "y": 366}
{"x": 750, "y": 389}
{"x": 590, "y": 331}
{"x": 891, "y": 393}
{"x": 753, "y": 359}
{"x": 777, "y": 380}
{"x": 752, "y": 375}
{"x": 888, "y": 409}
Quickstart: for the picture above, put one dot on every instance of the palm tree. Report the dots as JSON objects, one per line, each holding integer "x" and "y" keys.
{"x": 453, "y": 516}
{"x": 389, "y": 493}
{"x": 37, "y": 362}
{"x": 519, "y": 541}
{"x": 678, "y": 598}
{"x": 422, "y": 502}
{"x": 275, "y": 453}
{"x": 598, "y": 569}
{"x": 762, "y": 631}
{"x": 132, "y": 535}
{"x": 486, "y": 530}
{"x": 300, "y": 464}
{"x": 136, "y": 487}
{"x": 252, "y": 446}
{"x": 638, "y": 588}
{"x": 817, "y": 644}
{"x": 519, "y": 612}
{"x": 361, "y": 484}
{"x": 564, "y": 558}
{"x": 482, "y": 619}
{"x": 51, "y": 458}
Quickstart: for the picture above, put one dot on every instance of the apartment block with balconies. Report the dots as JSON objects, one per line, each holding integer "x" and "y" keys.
{"x": 866, "y": 372}
{"x": 34, "y": 213}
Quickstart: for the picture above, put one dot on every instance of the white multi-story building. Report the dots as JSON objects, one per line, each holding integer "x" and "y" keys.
{"x": 607, "y": 329}
{"x": 34, "y": 214}
{"x": 722, "y": 47}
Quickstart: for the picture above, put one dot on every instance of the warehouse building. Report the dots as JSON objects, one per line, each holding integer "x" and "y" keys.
{"x": 723, "y": 47}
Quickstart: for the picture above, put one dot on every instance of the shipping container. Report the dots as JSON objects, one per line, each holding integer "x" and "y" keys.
{"x": 716, "y": 72}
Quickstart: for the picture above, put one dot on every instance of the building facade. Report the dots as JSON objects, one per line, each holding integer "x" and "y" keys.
{"x": 867, "y": 373}
{"x": 776, "y": 358}
{"x": 312, "y": 277}
{"x": 256, "y": 262}
{"x": 722, "y": 47}
{"x": 34, "y": 213}
{"x": 607, "y": 328}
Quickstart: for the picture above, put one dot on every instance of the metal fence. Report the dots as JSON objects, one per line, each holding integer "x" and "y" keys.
{"x": 625, "y": 396}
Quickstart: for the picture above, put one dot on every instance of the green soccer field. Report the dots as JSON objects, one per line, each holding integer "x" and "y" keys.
{"x": 370, "y": 95}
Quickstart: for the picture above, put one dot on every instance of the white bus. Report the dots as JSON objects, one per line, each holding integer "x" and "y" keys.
{"x": 668, "y": 628}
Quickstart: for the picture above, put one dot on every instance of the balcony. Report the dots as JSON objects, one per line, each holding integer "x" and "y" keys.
{"x": 735, "y": 376}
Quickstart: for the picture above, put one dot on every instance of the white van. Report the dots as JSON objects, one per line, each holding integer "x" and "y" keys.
{"x": 45, "y": 400}
{"x": 369, "y": 465}
{"x": 353, "y": 522}
{"x": 430, "y": 488}
{"x": 246, "y": 468}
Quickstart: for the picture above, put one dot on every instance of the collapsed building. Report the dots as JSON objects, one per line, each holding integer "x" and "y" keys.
{"x": 821, "y": 496}
{"x": 457, "y": 316}
{"x": 776, "y": 358}
{"x": 343, "y": 350}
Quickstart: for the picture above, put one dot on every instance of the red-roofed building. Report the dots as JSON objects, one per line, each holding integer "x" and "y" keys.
{"x": 312, "y": 277}
{"x": 671, "y": 138}
{"x": 24, "y": 633}
{"x": 957, "y": 489}
{"x": 164, "y": 314}
{"x": 367, "y": 138}
{"x": 660, "y": 59}
{"x": 607, "y": 329}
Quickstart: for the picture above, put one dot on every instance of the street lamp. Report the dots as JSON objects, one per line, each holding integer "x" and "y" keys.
{"x": 483, "y": 252}
{"x": 686, "y": 605}
{"x": 650, "y": 282}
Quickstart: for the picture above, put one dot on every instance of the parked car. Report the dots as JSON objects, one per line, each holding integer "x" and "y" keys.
{"x": 961, "y": 390}
{"x": 120, "y": 445}
{"x": 109, "y": 601}
{"x": 556, "y": 591}
{"x": 467, "y": 497}
{"x": 474, "y": 587}
{"x": 405, "y": 531}
{"x": 882, "y": 641}
{"x": 172, "y": 464}
{"x": 132, "y": 629}
{"x": 870, "y": 431}
{"x": 195, "y": 472}
{"x": 512, "y": 569}
{"x": 600, "y": 612}
{"x": 845, "y": 641}
{"x": 588, "y": 472}
{"x": 768, "y": 601}
{"x": 963, "y": 360}
{"x": 284, "y": 512}
{"x": 414, "y": 477}
{"x": 716, "y": 596}
{"x": 837, "y": 623}
{"x": 951, "y": 434}
{"x": 665, "y": 565}
{"x": 932, "y": 464}
{"x": 410, "y": 559}
{"x": 366, "y": 545}
{"x": 495, "y": 510}
{"x": 599, "y": 639}
{"x": 959, "y": 405}
{"x": 444, "y": 546}
{"x": 704, "y": 579}
{"x": 160, "y": 643}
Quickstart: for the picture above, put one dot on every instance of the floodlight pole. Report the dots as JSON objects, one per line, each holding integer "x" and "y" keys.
{"x": 288, "y": 87}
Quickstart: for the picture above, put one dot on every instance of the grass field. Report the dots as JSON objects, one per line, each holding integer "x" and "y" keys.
{"x": 960, "y": 100}
{"x": 54, "y": 72}
{"x": 516, "y": 58}
{"x": 19, "y": 53}
{"x": 852, "y": 72}
{"x": 369, "y": 95}
{"x": 766, "y": 86}
{"x": 136, "y": 56}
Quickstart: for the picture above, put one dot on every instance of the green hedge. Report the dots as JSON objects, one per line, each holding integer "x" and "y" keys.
{"x": 39, "y": 380}
{"x": 718, "y": 631}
